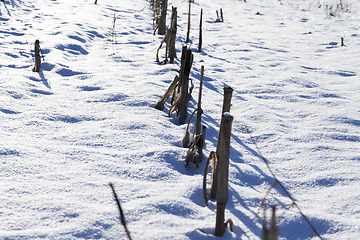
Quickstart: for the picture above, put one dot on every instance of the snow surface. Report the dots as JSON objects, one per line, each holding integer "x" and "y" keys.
{"x": 88, "y": 118}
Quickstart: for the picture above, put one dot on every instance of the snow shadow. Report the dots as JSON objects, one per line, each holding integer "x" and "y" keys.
{"x": 44, "y": 67}
{"x": 89, "y": 88}
{"x": 11, "y": 55}
{"x": 16, "y": 34}
{"x": 72, "y": 49}
{"x": 93, "y": 34}
{"x": 67, "y": 72}
{"x": 93, "y": 232}
{"x": 343, "y": 73}
{"x": 3, "y": 19}
{"x": 346, "y": 120}
{"x": 42, "y": 92}
{"x": 8, "y": 12}
{"x": 300, "y": 228}
{"x": 177, "y": 162}
{"x": 47, "y": 66}
{"x": 9, "y": 152}
{"x": 262, "y": 47}
{"x": 196, "y": 73}
{"x": 42, "y": 79}
{"x": 177, "y": 209}
{"x": 77, "y": 38}
{"x": 212, "y": 134}
{"x": 15, "y": 94}
{"x": 70, "y": 119}
{"x": 8, "y": 111}
{"x": 117, "y": 97}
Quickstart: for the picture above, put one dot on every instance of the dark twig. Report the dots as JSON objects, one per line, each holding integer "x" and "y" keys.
{"x": 122, "y": 216}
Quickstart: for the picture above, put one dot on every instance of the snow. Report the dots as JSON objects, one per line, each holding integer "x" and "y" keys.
{"x": 88, "y": 119}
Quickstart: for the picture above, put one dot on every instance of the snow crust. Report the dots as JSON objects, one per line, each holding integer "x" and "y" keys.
{"x": 88, "y": 118}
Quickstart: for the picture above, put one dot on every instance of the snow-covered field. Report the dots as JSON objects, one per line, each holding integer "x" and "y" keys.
{"x": 88, "y": 118}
